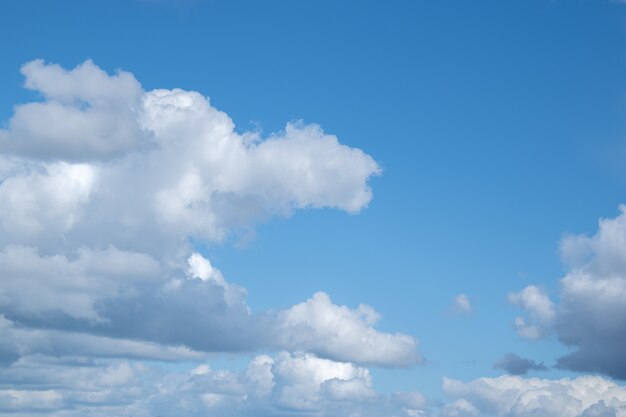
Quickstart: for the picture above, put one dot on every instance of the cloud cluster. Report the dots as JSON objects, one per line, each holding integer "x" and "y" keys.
{"x": 126, "y": 296}
{"x": 591, "y": 314}
{"x": 513, "y": 396}
{"x": 540, "y": 310}
{"x": 287, "y": 383}
{"x": 102, "y": 188}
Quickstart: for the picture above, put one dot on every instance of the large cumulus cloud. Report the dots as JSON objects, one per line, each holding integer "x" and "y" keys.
{"x": 102, "y": 188}
{"x": 101, "y": 162}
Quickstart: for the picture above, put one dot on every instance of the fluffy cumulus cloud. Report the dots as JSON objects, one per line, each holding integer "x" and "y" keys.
{"x": 102, "y": 187}
{"x": 87, "y": 114}
{"x": 175, "y": 161}
{"x": 47, "y": 200}
{"x": 514, "y": 396}
{"x": 343, "y": 334}
{"x": 591, "y": 314}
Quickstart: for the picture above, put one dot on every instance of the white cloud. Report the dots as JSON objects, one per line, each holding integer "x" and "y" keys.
{"x": 343, "y": 334}
{"x": 540, "y": 309}
{"x": 303, "y": 379}
{"x": 86, "y": 82}
{"x": 48, "y": 202}
{"x": 514, "y": 396}
{"x": 201, "y": 268}
{"x": 86, "y": 115}
{"x": 37, "y": 385}
{"x": 173, "y": 168}
{"x": 258, "y": 374}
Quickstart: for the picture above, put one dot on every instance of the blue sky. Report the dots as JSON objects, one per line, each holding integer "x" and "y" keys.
{"x": 493, "y": 140}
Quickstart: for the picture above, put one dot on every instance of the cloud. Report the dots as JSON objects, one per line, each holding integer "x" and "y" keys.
{"x": 515, "y": 365}
{"x": 462, "y": 305}
{"x": 340, "y": 333}
{"x": 86, "y": 115}
{"x": 591, "y": 314}
{"x": 540, "y": 309}
{"x": 34, "y": 285}
{"x": 177, "y": 164}
{"x": 49, "y": 200}
{"x": 102, "y": 188}
{"x": 287, "y": 383}
{"x": 125, "y": 296}
{"x": 459, "y": 408}
{"x": 19, "y": 341}
{"x": 513, "y": 396}
{"x": 36, "y": 385}
{"x": 304, "y": 380}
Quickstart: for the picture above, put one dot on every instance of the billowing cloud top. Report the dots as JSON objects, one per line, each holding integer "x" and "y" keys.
{"x": 175, "y": 162}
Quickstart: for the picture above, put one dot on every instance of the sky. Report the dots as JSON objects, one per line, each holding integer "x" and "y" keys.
{"x": 313, "y": 208}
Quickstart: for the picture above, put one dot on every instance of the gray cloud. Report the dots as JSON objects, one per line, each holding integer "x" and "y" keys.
{"x": 516, "y": 365}
{"x": 113, "y": 295}
{"x": 591, "y": 314}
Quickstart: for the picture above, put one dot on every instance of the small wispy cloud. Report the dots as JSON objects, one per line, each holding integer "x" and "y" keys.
{"x": 462, "y": 304}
